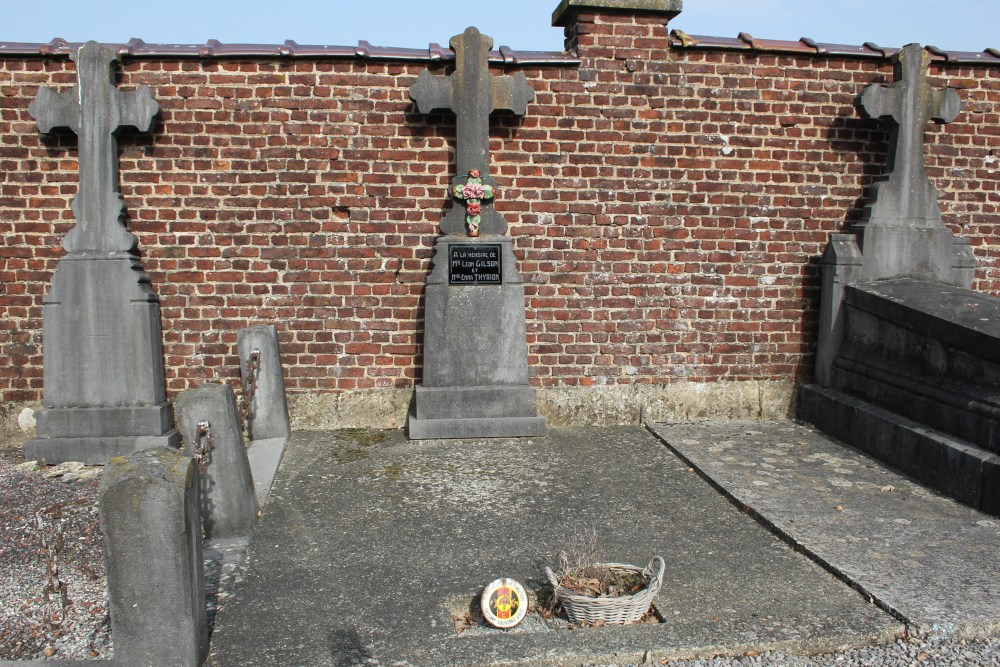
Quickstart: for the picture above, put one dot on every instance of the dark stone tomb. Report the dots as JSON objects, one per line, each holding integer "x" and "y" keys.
{"x": 907, "y": 365}
{"x": 104, "y": 392}
{"x": 475, "y": 375}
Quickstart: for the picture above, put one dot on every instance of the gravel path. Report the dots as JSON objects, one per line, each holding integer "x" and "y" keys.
{"x": 912, "y": 653}
{"x": 86, "y": 631}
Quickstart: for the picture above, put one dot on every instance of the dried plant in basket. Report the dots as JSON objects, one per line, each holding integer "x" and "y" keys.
{"x": 605, "y": 593}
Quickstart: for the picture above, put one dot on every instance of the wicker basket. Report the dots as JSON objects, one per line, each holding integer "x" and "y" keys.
{"x": 611, "y": 611}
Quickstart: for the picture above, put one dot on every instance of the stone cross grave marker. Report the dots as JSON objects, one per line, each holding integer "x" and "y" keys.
{"x": 911, "y": 103}
{"x": 94, "y": 109}
{"x": 902, "y": 233}
{"x": 473, "y": 94}
{"x": 104, "y": 392}
{"x": 475, "y": 377}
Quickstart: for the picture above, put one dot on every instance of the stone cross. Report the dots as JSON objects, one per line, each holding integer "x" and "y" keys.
{"x": 473, "y": 94}
{"x": 908, "y": 193}
{"x": 94, "y": 109}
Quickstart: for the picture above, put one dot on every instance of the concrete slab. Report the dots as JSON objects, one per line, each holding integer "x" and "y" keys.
{"x": 367, "y": 539}
{"x": 265, "y": 457}
{"x": 933, "y": 562}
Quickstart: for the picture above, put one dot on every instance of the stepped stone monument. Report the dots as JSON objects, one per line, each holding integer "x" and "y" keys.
{"x": 104, "y": 392}
{"x": 475, "y": 375}
{"x": 907, "y": 368}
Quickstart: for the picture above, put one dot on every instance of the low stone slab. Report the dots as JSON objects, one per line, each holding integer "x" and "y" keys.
{"x": 927, "y": 558}
{"x": 367, "y": 540}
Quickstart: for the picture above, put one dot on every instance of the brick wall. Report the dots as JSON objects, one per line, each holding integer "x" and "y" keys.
{"x": 668, "y": 207}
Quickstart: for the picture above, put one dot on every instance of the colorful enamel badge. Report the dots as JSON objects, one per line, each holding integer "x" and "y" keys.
{"x": 473, "y": 192}
{"x": 504, "y": 603}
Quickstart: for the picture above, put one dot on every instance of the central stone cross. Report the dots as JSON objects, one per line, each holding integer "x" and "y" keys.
{"x": 103, "y": 376}
{"x": 473, "y": 94}
{"x": 94, "y": 109}
{"x": 908, "y": 194}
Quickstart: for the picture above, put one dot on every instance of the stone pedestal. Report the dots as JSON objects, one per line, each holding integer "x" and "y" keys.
{"x": 475, "y": 381}
{"x": 103, "y": 364}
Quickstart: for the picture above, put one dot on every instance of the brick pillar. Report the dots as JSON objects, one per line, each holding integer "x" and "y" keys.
{"x": 591, "y": 23}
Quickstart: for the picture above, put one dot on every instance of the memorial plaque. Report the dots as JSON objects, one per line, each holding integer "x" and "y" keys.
{"x": 474, "y": 264}
{"x": 504, "y": 603}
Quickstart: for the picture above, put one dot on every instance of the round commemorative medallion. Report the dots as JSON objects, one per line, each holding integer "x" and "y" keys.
{"x": 504, "y": 603}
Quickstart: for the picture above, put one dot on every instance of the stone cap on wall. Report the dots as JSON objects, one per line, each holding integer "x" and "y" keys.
{"x": 567, "y": 7}
{"x": 137, "y": 48}
{"x": 806, "y": 46}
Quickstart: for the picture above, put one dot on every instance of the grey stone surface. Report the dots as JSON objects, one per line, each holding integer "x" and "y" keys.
{"x": 475, "y": 356}
{"x": 472, "y": 93}
{"x": 265, "y": 457}
{"x": 368, "y": 540}
{"x": 943, "y": 462}
{"x": 269, "y": 405}
{"x": 152, "y": 535}
{"x": 932, "y": 561}
{"x": 103, "y": 372}
{"x": 927, "y": 351}
{"x": 916, "y": 382}
{"x": 568, "y": 8}
{"x": 228, "y": 494}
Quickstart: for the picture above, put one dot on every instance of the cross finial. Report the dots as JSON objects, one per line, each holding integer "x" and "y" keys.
{"x": 473, "y": 94}
{"x": 94, "y": 109}
{"x": 907, "y": 193}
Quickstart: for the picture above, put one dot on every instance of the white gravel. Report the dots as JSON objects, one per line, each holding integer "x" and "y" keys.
{"x": 24, "y": 634}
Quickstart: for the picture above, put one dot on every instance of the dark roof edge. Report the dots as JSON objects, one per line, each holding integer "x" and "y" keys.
{"x": 136, "y": 48}
{"x": 806, "y": 46}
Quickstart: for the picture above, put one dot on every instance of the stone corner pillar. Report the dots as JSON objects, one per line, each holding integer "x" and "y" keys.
{"x": 842, "y": 265}
{"x": 575, "y": 15}
{"x": 568, "y": 10}
{"x": 207, "y": 415}
{"x": 262, "y": 373}
{"x": 151, "y": 523}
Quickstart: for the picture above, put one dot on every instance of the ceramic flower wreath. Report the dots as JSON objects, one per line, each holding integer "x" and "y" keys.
{"x": 473, "y": 192}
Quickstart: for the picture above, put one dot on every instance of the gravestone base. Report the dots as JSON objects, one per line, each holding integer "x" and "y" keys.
{"x": 95, "y": 435}
{"x": 899, "y": 248}
{"x": 102, "y": 364}
{"x": 475, "y": 412}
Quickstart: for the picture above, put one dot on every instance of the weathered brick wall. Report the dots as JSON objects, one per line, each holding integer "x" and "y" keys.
{"x": 668, "y": 207}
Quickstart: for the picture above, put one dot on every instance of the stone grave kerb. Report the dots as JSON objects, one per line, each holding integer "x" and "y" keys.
{"x": 104, "y": 391}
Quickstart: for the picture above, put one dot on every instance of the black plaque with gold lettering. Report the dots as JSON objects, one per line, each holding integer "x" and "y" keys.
{"x": 474, "y": 264}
